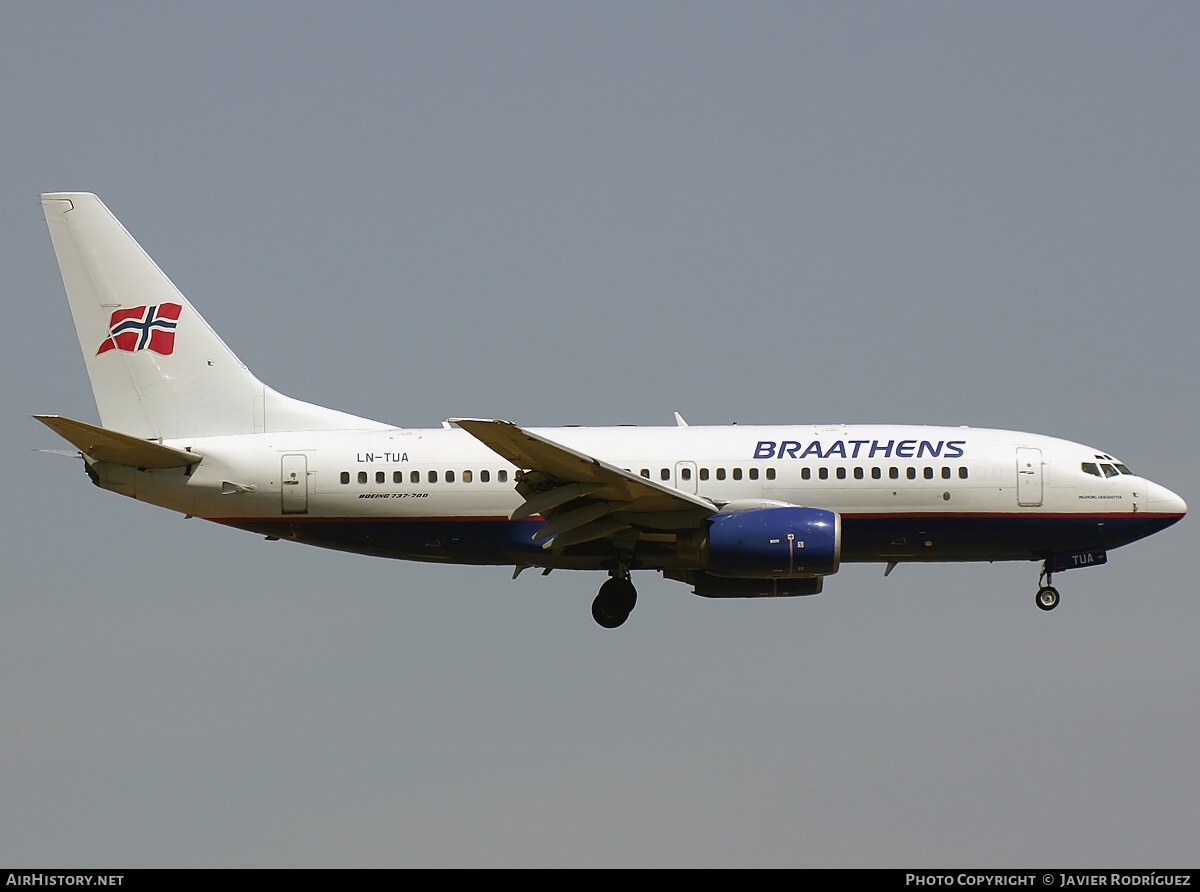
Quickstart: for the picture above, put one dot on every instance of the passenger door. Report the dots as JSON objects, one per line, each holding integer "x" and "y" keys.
{"x": 1029, "y": 477}
{"x": 293, "y": 484}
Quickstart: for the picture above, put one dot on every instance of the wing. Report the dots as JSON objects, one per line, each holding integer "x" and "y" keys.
{"x": 582, "y": 497}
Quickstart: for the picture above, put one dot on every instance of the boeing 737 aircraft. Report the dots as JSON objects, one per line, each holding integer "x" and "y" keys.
{"x": 734, "y": 512}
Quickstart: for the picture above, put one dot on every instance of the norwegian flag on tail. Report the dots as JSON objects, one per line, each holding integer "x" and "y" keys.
{"x": 142, "y": 328}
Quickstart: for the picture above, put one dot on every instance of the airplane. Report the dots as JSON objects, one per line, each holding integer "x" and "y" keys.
{"x": 735, "y": 511}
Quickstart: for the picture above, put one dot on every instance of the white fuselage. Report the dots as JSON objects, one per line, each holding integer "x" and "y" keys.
{"x": 737, "y": 511}
{"x": 903, "y": 492}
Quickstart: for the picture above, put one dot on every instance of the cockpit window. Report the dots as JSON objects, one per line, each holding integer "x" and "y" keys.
{"x": 1104, "y": 468}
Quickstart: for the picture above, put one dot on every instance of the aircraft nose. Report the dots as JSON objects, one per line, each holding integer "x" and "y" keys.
{"x": 1162, "y": 501}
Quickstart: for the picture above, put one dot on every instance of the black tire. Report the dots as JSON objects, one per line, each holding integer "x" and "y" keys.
{"x": 613, "y": 604}
{"x": 603, "y": 617}
{"x": 1047, "y": 597}
{"x": 618, "y": 596}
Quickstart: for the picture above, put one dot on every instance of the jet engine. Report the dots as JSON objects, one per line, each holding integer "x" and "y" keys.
{"x": 788, "y": 542}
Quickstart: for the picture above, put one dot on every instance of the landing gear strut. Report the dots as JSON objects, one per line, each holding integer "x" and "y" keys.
{"x": 616, "y": 599}
{"x": 1047, "y": 595}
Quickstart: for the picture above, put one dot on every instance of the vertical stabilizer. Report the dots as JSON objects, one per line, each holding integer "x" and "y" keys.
{"x": 157, "y": 369}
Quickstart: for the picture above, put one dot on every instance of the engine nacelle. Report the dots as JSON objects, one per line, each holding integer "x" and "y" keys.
{"x": 769, "y": 543}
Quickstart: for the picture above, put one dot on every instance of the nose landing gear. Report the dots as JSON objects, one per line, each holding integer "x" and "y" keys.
{"x": 616, "y": 599}
{"x": 1047, "y": 595}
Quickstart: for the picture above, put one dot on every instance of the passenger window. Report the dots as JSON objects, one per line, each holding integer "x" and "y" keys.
{"x": 805, "y": 473}
{"x": 894, "y": 473}
{"x": 753, "y": 472}
{"x": 823, "y": 473}
{"x": 380, "y": 476}
{"x": 664, "y": 474}
{"x": 929, "y": 473}
{"x": 1090, "y": 467}
{"x": 685, "y": 473}
{"x": 397, "y": 477}
{"x": 362, "y": 476}
{"x": 414, "y": 477}
{"x": 720, "y": 473}
{"x": 770, "y": 473}
{"x": 485, "y": 476}
{"x": 858, "y": 473}
{"x": 433, "y": 476}
{"x": 737, "y": 473}
{"x": 449, "y": 476}
{"x": 841, "y": 473}
{"x": 646, "y": 473}
{"x": 876, "y": 473}
{"x": 962, "y": 473}
{"x": 945, "y": 473}
{"x": 345, "y": 476}
{"x": 502, "y": 476}
{"x": 912, "y": 473}
{"x": 467, "y": 477}
{"x": 704, "y": 473}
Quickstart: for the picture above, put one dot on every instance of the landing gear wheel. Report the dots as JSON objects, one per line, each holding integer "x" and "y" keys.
{"x": 1047, "y": 597}
{"x": 619, "y": 594}
{"x": 603, "y": 619}
{"x": 613, "y": 604}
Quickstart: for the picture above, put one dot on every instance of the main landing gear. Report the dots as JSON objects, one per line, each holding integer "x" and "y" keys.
{"x": 1047, "y": 595}
{"x": 616, "y": 599}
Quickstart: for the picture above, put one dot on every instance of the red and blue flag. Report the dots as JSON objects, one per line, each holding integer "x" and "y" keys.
{"x": 143, "y": 328}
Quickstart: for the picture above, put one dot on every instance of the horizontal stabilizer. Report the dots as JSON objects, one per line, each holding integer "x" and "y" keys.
{"x": 100, "y": 444}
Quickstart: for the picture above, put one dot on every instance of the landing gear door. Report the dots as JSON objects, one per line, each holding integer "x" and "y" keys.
{"x": 293, "y": 484}
{"x": 1029, "y": 477}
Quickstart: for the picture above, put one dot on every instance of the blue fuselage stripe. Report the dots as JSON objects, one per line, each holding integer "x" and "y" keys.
{"x": 864, "y": 537}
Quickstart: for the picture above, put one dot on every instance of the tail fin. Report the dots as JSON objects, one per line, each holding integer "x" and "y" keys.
{"x": 157, "y": 369}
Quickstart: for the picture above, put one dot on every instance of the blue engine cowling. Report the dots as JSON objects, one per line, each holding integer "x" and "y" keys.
{"x": 779, "y": 543}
